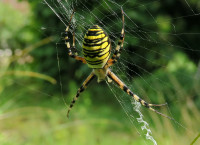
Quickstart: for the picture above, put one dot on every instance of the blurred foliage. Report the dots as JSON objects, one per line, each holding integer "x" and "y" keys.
{"x": 30, "y": 114}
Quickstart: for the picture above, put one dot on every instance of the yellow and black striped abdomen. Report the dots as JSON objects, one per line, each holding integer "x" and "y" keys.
{"x": 96, "y": 47}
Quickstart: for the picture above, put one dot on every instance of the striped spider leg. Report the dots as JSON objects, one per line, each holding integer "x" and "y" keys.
{"x": 119, "y": 46}
{"x": 81, "y": 89}
{"x": 72, "y": 52}
{"x": 122, "y": 86}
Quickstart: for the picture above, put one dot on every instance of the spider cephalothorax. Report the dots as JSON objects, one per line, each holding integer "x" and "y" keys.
{"x": 96, "y": 51}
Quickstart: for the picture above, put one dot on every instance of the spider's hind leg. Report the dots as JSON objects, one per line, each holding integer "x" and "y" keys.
{"x": 81, "y": 89}
{"x": 122, "y": 86}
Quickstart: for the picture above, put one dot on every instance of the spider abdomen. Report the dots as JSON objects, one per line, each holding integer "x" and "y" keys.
{"x": 96, "y": 47}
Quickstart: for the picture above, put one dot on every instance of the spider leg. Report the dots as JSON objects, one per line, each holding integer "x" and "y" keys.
{"x": 135, "y": 97}
{"x": 81, "y": 89}
{"x": 72, "y": 48}
{"x": 119, "y": 46}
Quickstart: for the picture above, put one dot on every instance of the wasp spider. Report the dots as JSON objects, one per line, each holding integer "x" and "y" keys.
{"x": 97, "y": 51}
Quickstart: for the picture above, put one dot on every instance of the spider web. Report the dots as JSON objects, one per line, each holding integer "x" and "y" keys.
{"x": 147, "y": 37}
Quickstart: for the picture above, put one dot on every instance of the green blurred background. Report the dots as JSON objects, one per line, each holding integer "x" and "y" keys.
{"x": 33, "y": 103}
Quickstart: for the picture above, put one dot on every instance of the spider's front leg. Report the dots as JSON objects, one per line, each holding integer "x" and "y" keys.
{"x": 72, "y": 52}
{"x": 119, "y": 46}
{"x": 122, "y": 86}
{"x": 81, "y": 89}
